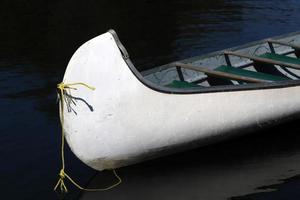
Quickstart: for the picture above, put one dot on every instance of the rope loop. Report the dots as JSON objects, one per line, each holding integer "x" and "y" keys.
{"x": 62, "y": 174}
{"x": 61, "y": 183}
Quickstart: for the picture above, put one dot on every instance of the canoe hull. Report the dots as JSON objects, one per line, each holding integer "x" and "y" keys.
{"x": 124, "y": 121}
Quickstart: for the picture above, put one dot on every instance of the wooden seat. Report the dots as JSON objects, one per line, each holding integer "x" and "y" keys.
{"x": 291, "y": 63}
{"x": 281, "y": 58}
{"x": 294, "y": 46}
{"x": 218, "y": 74}
{"x": 238, "y": 74}
{"x": 250, "y": 74}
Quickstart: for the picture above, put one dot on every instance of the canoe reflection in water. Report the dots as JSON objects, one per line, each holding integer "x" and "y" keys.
{"x": 252, "y": 164}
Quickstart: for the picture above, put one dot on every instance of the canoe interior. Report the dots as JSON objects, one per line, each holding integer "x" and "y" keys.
{"x": 270, "y": 60}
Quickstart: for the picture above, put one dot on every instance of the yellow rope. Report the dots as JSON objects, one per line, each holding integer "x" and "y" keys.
{"x": 62, "y": 174}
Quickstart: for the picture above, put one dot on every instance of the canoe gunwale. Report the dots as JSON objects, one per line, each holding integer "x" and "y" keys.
{"x": 212, "y": 89}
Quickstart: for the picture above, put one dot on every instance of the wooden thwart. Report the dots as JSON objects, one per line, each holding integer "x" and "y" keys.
{"x": 218, "y": 73}
{"x": 264, "y": 60}
{"x": 294, "y": 46}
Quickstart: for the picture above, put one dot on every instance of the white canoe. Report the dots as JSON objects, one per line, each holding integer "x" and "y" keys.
{"x": 133, "y": 116}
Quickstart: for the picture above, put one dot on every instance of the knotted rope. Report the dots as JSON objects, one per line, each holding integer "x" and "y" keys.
{"x": 63, "y": 87}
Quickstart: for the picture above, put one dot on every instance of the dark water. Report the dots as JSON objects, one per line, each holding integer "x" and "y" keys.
{"x": 39, "y": 37}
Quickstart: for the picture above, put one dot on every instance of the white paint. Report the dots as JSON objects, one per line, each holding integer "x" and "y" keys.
{"x": 131, "y": 122}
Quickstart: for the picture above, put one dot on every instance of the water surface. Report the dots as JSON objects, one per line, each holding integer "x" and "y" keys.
{"x": 37, "y": 41}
